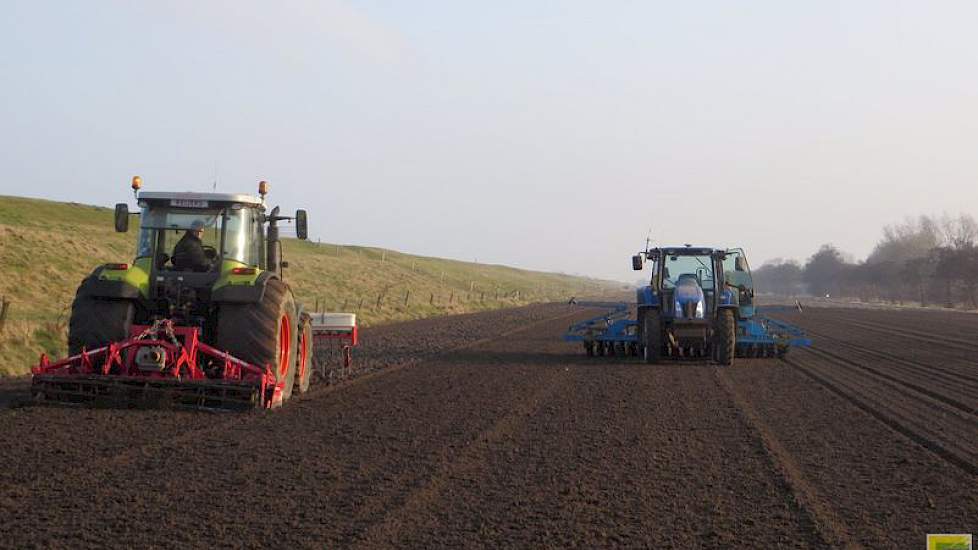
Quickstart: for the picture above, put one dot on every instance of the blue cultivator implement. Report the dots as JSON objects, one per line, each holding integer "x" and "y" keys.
{"x": 611, "y": 333}
{"x": 699, "y": 304}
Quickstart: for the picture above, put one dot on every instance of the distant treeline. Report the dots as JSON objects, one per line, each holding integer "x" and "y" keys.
{"x": 930, "y": 260}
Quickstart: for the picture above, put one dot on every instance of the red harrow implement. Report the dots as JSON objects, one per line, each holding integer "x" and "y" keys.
{"x": 162, "y": 365}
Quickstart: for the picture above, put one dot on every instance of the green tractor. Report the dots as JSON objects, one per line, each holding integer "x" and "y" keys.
{"x": 203, "y": 316}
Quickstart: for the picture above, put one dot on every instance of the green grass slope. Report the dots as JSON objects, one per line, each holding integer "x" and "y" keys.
{"x": 46, "y": 248}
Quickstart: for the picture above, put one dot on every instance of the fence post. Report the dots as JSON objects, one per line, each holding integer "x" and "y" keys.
{"x": 451, "y": 297}
{"x": 407, "y": 296}
{"x": 345, "y": 300}
{"x": 482, "y": 297}
{"x": 380, "y": 299}
{"x": 431, "y": 301}
{"x": 4, "y": 308}
{"x": 360, "y": 305}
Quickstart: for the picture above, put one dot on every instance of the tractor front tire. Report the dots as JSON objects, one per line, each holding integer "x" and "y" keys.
{"x": 97, "y": 322}
{"x": 263, "y": 333}
{"x": 651, "y": 336}
{"x": 726, "y": 337}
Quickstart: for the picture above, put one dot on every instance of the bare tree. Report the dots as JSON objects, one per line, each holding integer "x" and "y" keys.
{"x": 960, "y": 232}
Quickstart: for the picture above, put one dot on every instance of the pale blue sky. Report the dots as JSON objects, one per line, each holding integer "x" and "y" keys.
{"x": 548, "y": 135}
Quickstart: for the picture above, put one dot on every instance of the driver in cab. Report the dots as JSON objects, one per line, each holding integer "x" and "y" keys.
{"x": 189, "y": 254}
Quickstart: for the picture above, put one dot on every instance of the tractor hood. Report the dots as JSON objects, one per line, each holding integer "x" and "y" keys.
{"x": 689, "y": 299}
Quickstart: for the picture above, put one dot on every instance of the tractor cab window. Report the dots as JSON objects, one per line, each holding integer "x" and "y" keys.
{"x": 229, "y": 233}
{"x": 239, "y": 239}
{"x": 679, "y": 267}
{"x": 736, "y": 275}
{"x": 165, "y": 227}
{"x": 736, "y": 272}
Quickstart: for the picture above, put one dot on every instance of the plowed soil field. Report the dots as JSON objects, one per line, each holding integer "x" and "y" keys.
{"x": 487, "y": 430}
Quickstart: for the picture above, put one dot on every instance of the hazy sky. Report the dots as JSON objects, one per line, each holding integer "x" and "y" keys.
{"x": 547, "y": 135}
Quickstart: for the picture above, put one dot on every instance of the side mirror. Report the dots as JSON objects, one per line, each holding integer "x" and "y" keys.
{"x": 637, "y": 262}
{"x": 121, "y": 217}
{"x": 301, "y": 225}
{"x": 740, "y": 264}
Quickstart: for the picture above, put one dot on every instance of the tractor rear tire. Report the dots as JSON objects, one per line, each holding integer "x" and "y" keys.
{"x": 263, "y": 333}
{"x": 97, "y": 322}
{"x": 304, "y": 359}
{"x": 726, "y": 337}
{"x": 651, "y": 336}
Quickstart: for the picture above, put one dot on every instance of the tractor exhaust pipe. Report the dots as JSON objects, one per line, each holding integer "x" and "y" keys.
{"x": 274, "y": 255}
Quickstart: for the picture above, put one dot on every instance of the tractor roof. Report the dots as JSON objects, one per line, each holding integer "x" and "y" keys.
{"x": 687, "y": 251}
{"x": 201, "y": 200}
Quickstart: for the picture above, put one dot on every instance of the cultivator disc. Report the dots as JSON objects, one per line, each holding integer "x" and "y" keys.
{"x": 140, "y": 392}
{"x": 753, "y": 350}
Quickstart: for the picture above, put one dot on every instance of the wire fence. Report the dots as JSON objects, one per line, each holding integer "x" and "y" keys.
{"x": 407, "y": 298}
{"x": 475, "y": 288}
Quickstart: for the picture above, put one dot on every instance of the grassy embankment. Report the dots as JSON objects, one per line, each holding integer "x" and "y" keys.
{"x": 46, "y": 248}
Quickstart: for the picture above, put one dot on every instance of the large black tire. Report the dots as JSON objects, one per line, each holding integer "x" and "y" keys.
{"x": 726, "y": 337}
{"x": 96, "y": 322}
{"x": 303, "y": 357}
{"x": 651, "y": 334}
{"x": 263, "y": 334}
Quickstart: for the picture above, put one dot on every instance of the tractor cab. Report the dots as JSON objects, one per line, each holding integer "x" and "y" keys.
{"x": 737, "y": 279}
{"x": 197, "y": 250}
{"x": 686, "y": 281}
{"x": 228, "y": 227}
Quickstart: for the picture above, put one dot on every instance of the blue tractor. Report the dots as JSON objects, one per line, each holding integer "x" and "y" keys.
{"x": 691, "y": 306}
{"x": 699, "y": 303}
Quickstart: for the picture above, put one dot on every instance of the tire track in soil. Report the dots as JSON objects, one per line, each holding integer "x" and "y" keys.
{"x": 933, "y": 356}
{"x": 948, "y": 323}
{"x": 452, "y": 362}
{"x": 389, "y": 531}
{"x": 919, "y": 335}
{"x": 615, "y": 454}
{"x": 886, "y": 324}
{"x": 206, "y": 438}
{"x": 323, "y": 388}
{"x": 901, "y": 384}
{"x": 830, "y": 525}
{"x": 855, "y": 394}
{"x": 623, "y": 455}
{"x": 130, "y": 439}
{"x": 962, "y": 382}
{"x": 887, "y": 489}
